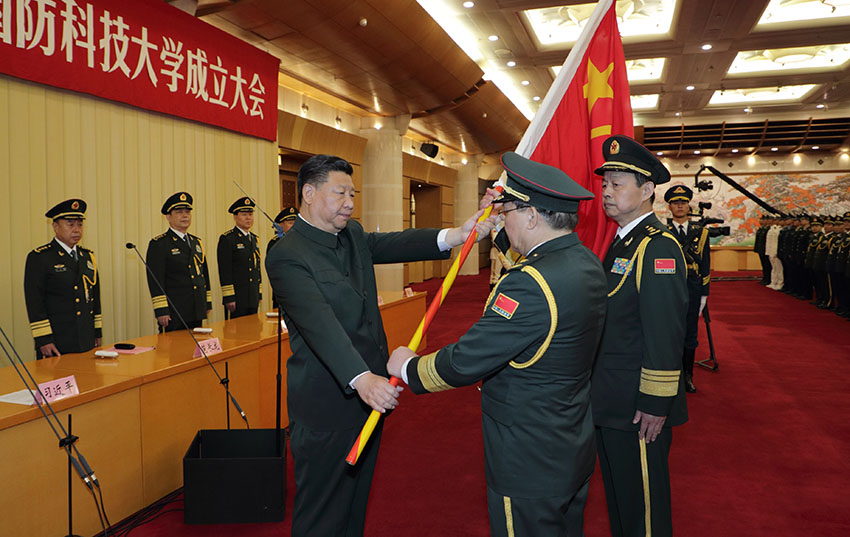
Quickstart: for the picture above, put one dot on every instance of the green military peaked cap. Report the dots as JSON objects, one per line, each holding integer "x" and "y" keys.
{"x": 287, "y": 213}
{"x": 178, "y": 200}
{"x": 540, "y": 185}
{"x": 72, "y": 209}
{"x": 242, "y": 204}
{"x": 624, "y": 154}
{"x": 678, "y": 193}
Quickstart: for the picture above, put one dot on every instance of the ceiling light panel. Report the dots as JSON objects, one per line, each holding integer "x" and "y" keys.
{"x": 644, "y": 102}
{"x": 814, "y": 58}
{"x": 636, "y": 19}
{"x": 781, "y": 94}
{"x": 640, "y": 70}
{"x": 796, "y": 13}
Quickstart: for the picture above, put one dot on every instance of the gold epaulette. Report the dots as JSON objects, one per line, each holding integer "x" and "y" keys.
{"x": 84, "y": 249}
{"x": 228, "y": 232}
{"x": 161, "y": 235}
{"x": 42, "y": 248}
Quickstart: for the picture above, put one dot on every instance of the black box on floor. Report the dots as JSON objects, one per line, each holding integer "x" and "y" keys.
{"x": 234, "y": 476}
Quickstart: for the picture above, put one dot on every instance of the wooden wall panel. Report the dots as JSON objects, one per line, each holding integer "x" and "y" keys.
{"x": 124, "y": 162}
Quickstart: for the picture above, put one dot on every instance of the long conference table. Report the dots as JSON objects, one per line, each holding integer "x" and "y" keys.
{"x": 136, "y": 415}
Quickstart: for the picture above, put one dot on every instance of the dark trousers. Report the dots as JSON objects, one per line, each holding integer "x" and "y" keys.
{"x": 765, "y": 269}
{"x": 822, "y": 290}
{"x": 330, "y": 495}
{"x": 557, "y": 516}
{"x": 692, "y": 316}
{"x": 628, "y": 493}
{"x": 175, "y": 324}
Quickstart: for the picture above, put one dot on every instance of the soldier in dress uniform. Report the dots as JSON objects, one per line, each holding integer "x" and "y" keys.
{"x": 846, "y": 311}
{"x": 819, "y": 264}
{"x": 286, "y": 219}
{"x": 178, "y": 263}
{"x": 637, "y": 389}
{"x": 534, "y": 347}
{"x": 759, "y": 248}
{"x": 816, "y": 227}
{"x": 62, "y": 287}
{"x": 802, "y": 287}
{"x": 238, "y": 255}
{"x": 835, "y": 265}
{"x": 693, "y": 238}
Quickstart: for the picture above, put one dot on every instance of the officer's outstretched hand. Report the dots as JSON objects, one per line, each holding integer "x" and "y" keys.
{"x": 163, "y": 320}
{"x": 377, "y": 392}
{"x": 49, "y": 350}
{"x": 650, "y": 426}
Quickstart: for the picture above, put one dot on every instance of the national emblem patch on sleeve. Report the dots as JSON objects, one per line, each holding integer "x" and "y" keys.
{"x": 504, "y": 306}
{"x": 665, "y": 266}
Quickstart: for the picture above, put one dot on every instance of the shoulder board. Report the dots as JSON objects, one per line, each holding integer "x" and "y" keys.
{"x": 255, "y": 235}
{"x": 161, "y": 235}
{"x": 84, "y": 249}
{"x": 195, "y": 237}
{"x": 652, "y": 230}
{"x": 42, "y": 248}
{"x": 228, "y": 232}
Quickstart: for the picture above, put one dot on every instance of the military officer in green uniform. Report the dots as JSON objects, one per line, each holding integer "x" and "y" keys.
{"x": 637, "y": 390}
{"x": 693, "y": 238}
{"x": 534, "y": 347}
{"x": 816, "y": 227}
{"x": 238, "y": 256}
{"x": 323, "y": 277}
{"x": 835, "y": 264}
{"x": 62, "y": 287}
{"x": 178, "y": 262}
{"x": 285, "y": 219}
{"x": 819, "y": 264}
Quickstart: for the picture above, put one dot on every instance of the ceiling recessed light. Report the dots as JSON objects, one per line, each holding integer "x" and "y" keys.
{"x": 535, "y": 98}
{"x": 511, "y": 63}
{"x": 464, "y": 161}
{"x": 468, "y": 4}
{"x": 678, "y": 114}
{"x": 378, "y": 126}
{"x": 697, "y": 152}
{"x": 707, "y": 46}
{"x": 689, "y": 88}
{"x": 734, "y": 150}
{"x": 493, "y": 38}
{"x": 525, "y": 82}
{"x": 748, "y": 109}
{"x": 821, "y": 105}
{"x": 660, "y": 153}
{"x": 815, "y": 147}
{"x": 774, "y": 149}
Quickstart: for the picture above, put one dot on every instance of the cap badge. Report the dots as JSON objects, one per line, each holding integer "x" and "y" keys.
{"x": 615, "y": 147}
{"x": 182, "y": 197}
{"x": 75, "y": 205}
{"x": 679, "y": 190}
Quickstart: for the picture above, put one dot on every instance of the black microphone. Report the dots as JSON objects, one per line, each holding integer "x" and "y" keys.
{"x": 131, "y": 246}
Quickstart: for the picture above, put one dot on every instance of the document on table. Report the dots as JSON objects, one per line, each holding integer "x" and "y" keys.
{"x": 20, "y": 397}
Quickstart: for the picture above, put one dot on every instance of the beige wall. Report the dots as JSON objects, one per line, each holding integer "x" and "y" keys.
{"x": 124, "y": 162}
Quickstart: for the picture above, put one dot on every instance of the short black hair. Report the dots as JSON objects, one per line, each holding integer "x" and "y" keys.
{"x": 555, "y": 219}
{"x": 316, "y": 169}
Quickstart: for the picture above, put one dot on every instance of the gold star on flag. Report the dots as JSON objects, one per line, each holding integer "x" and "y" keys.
{"x": 597, "y": 86}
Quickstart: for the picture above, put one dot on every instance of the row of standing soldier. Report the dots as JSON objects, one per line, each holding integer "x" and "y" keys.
{"x": 62, "y": 281}
{"x": 807, "y": 257}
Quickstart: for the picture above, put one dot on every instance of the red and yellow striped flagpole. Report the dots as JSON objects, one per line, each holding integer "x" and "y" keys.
{"x": 415, "y": 341}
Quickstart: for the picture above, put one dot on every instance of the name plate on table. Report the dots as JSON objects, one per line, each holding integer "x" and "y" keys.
{"x": 210, "y": 346}
{"x": 54, "y": 390}
{"x": 408, "y": 292}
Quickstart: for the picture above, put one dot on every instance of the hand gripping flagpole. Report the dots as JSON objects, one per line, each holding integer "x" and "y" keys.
{"x": 416, "y": 340}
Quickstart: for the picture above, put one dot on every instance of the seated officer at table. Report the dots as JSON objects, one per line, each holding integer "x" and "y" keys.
{"x": 178, "y": 263}
{"x": 238, "y": 256}
{"x": 62, "y": 288}
{"x": 534, "y": 347}
{"x": 285, "y": 219}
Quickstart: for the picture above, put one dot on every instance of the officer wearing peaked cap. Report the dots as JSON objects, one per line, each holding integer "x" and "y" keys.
{"x": 637, "y": 390}
{"x": 239, "y": 265}
{"x": 62, "y": 287}
{"x": 534, "y": 349}
{"x": 178, "y": 262}
{"x": 285, "y": 219}
{"x": 693, "y": 238}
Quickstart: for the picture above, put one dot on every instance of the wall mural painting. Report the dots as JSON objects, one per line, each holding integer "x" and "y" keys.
{"x": 820, "y": 193}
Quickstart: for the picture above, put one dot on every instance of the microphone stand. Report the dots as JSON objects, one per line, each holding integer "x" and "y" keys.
{"x": 68, "y": 442}
{"x": 223, "y": 381}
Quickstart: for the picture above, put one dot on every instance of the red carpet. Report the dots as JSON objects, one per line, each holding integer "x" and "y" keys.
{"x": 767, "y": 450}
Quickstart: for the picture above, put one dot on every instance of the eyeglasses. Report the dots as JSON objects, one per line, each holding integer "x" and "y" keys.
{"x": 505, "y": 211}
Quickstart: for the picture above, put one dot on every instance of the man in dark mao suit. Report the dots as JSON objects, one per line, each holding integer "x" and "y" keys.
{"x": 534, "y": 347}
{"x": 238, "y": 256}
{"x": 637, "y": 390}
{"x": 62, "y": 287}
{"x": 323, "y": 277}
{"x": 178, "y": 262}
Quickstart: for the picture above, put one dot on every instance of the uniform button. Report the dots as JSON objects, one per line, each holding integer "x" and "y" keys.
{"x": 77, "y": 300}
{"x": 250, "y": 279}
{"x": 194, "y": 287}
{"x": 78, "y": 313}
{"x": 75, "y": 288}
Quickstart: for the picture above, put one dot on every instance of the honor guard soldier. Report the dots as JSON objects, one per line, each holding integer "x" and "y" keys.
{"x": 819, "y": 264}
{"x": 285, "y": 219}
{"x": 811, "y": 250}
{"x": 693, "y": 238}
{"x": 759, "y": 248}
{"x": 835, "y": 264}
{"x": 177, "y": 261}
{"x": 62, "y": 288}
{"x": 637, "y": 390}
{"x": 534, "y": 348}
{"x": 239, "y": 263}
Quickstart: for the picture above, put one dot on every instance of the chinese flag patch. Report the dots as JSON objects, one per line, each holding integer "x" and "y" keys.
{"x": 504, "y": 306}
{"x": 665, "y": 266}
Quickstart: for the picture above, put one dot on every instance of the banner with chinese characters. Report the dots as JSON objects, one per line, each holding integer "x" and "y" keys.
{"x": 144, "y": 53}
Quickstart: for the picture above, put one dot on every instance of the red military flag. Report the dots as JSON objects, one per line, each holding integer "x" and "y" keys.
{"x": 588, "y": 102}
